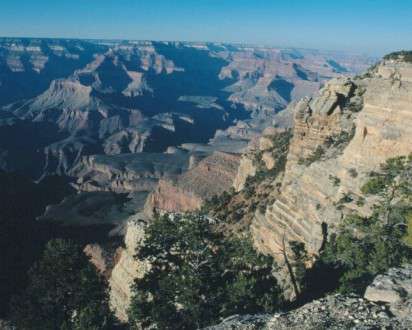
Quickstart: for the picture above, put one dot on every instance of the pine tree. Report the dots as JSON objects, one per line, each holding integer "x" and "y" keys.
{"x": 198, "y": 276}
{"x": 367, "y": 246}
{"x": 64, "y": 291}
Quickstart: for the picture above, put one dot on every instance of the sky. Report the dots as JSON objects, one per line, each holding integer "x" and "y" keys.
{"x": 366, "y": 26}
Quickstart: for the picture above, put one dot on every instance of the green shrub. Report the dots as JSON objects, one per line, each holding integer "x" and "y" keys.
{"x": 64, "y": 292}
{"x": 367, "y": 246}
{"x": 408, "y": 236}
{"x": 335, "y": 180}
{"x": 346, "y": 198}
{"x": 373, "y": 186}
{"x": 341, "y": 139}
{"x": 353, "y": 173}
{"x": 360, "y": 202}
{"x": 314, "y": 157}
{"x": 198, "y": 276}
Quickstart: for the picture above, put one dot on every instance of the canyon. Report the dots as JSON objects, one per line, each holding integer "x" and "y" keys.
{"x": 107, "y": 114}
{"x": 286, "y": 137}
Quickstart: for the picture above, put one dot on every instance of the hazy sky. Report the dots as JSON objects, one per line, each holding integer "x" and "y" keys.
{"x": 376, "y": 26}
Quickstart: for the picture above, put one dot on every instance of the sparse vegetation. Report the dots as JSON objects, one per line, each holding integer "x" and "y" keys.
{"x": 340, "y": 140}
{"x": 335, "y": 180}
{"x": 262, "y": 208}
{"x": 353, "y": 173}
{"x": 403, "y": 55}
{"x": 346, "y": 198}
{"x": 235, "y": 207}
{"x": 218, "y": 202}
{"x": 279, "y": 153}
{"x": 408, "y": 236}
{"x": 367, "y": 246}
{"x": 314, "y": 157}
{"x": 360, "y": 202}
{"x": 369, "y": 73}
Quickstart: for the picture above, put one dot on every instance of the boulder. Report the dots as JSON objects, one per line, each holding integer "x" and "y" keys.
{"x": 391, "y": 287}
{"x": 395, "y": 289}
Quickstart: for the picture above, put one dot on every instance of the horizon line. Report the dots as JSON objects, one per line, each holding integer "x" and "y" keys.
{"x": 238, "y": 43}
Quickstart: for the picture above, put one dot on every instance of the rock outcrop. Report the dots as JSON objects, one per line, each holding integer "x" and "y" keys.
{"x": 264, "y": 155}
{"x": 386, "y": 305}
{"x": 347, "y": 131}
{"x": 126, "y": 269}
{"x": 394, "y": 288}
{"x": 168, "y": 197}
{"x": 101, "y": 258}
{"x": 332, "y": 312}
{"x": 211, "y": 176}
{"x": 246, "y": 169}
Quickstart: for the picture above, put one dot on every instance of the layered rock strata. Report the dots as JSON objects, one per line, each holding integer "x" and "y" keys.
{"x": 111, "y": 97}
{"x": 340, "y": 136}
{"x": 211, "y": 176}
{"x": 128, "y": 172}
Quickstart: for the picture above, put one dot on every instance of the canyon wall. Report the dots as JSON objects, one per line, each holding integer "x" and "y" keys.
{"x": 211, "y": 176}
{"x": 339, "y": 136}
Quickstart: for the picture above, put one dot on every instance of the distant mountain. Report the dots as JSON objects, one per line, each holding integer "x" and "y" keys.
{"x": 114, "y": 97}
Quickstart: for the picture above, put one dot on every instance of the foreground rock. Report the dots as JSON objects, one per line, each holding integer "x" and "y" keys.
{"x": 127, "y": 269}
{"x": 101, "y": 257}
{"x": 332, "y": 312}
{"x": 395, "y": 289}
